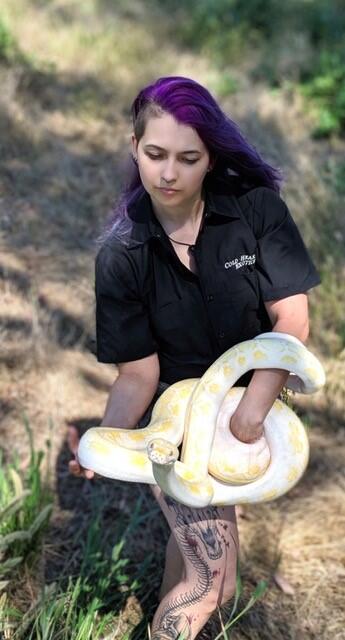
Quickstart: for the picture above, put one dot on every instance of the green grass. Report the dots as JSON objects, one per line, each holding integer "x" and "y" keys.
{"x": 25, "y": 508}
{"x": 296, "y": 42}
{"x": 325, "y": 89}
{"x": 87, "y": 605}
{"x": 8, "y": 46}
{"x": 235, "y": 615}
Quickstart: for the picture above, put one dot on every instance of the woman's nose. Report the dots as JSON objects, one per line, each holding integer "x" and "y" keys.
{"x": 169, "y": 173}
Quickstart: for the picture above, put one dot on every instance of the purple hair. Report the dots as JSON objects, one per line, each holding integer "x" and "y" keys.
{"x": 191, "y": 104}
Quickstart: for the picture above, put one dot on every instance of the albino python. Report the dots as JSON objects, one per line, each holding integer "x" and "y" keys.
{"x": 215, "y": 468}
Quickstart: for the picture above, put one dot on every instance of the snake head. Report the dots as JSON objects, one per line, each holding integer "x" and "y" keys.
{"x": 162, "y": 452}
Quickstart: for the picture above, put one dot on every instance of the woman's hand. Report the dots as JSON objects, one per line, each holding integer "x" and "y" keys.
{"x": 74, "y": 467}
{"x": 246, "y": 429}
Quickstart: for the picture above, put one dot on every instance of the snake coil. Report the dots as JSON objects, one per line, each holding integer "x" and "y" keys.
{"x": 215, "y": 468}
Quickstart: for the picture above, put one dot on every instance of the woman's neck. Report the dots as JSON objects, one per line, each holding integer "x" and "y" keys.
{"x": 184, "y": 221}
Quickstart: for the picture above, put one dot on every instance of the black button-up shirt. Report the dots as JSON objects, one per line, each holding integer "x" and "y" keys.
{"x": 248, "y": 251}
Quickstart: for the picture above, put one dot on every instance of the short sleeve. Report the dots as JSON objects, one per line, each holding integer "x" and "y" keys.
{"x": 122, "y": 324}
{"x": 284, "y": 266}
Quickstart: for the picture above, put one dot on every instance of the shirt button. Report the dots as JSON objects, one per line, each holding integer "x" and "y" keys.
{"x": 192, "y": 248}
{"x": 209, "y": 298}
{"x": 221, "y": 334}
{"x": 158, "y": 235}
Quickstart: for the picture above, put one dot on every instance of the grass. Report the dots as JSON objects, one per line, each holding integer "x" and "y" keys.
{"x": 25, "y": 508}
{"x": 9, "y": 49}
{"x": 312, "y": 57}
{"x": 76, "y": 607}
{"x": 235, "y": 615}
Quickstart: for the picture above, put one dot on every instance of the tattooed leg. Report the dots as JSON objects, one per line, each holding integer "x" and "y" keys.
{"x": 208, "y": 543}
{"x": 174, "y": 567}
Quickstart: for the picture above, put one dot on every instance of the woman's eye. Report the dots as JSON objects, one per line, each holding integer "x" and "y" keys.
{"x": 152, "y": 157}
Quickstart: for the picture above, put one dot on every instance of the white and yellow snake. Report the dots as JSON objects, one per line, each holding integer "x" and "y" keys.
{"x": 215, "y": 468}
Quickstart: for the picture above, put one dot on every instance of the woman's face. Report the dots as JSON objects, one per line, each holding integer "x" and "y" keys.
{"x": 171, "y": 155}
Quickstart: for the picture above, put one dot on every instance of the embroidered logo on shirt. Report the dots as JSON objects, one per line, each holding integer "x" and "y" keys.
{"x": 242, "y": 261}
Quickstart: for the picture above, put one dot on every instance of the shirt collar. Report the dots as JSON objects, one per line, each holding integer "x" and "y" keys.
{"x": 219, "y": 201}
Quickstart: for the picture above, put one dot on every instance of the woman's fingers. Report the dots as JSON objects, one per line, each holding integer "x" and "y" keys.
{"x": 73, "y": 439}
{"x": 74, "y": 467}
{"x": 244, "y": 431}
{"x": 76, "y": 470}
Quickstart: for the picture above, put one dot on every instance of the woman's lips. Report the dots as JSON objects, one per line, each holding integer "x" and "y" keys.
{"x": 168, "y": 191}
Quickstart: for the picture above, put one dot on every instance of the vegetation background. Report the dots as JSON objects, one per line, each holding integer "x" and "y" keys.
{"x": 83, "y": 559}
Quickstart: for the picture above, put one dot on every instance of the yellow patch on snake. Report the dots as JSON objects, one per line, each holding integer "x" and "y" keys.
{"x": 184, "y": 393}
{"x": 289, "y": 359}
{"x": 293, "y": 474}
{"x": 195, "y": 489}
{"x": 203, "y": 407}
{"x": 294, "y": 437}
{"x": 312, "y": 373}
{"x": 278, "y": 405}
{"x": 135, "y": 436}
{"x": 269, "y": 495}
{"x": 241, "y": 360}
{"x": 138, "y": 459}
{"x": 227, "y": 370}
{"x": 254, "y": 470}
{"x": 187, "y": 474}
{"x": 227, "y": 469}
{"x": 99, "y": 447}
{"x": 259, "y": 355}
{"x": 110, "y": 436}
{"x": 214, "y": 388}
{"x": 232, "y": 392}
{"x": 175, "y": 410}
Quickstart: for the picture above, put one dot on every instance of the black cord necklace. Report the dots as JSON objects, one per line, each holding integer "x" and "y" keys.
{"x": 186, "y": 244}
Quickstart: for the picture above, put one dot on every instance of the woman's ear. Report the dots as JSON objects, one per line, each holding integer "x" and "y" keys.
{"x": 134, "y": 145}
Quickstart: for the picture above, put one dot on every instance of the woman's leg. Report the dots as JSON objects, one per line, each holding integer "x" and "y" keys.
{"x": 174, "y": 567}
{"x": 208, "y": 544}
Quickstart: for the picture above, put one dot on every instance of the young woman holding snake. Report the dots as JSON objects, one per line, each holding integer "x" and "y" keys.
{"x": 201, "y": 254}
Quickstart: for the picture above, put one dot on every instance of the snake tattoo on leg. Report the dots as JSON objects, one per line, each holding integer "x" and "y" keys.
{"x": 204, "y": 539}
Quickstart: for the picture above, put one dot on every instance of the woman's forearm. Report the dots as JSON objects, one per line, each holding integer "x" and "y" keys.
{"x": 266, "y": 384}
{"x": 128, "y": 400}
{"x": 262, "y": 391}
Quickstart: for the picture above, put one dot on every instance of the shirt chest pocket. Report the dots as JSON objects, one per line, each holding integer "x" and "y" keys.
{"x": 174, "y": 324}
{"x": 237, "y": 283}
{"x": 173, "y": 314}
{"x": 237, "y": 300}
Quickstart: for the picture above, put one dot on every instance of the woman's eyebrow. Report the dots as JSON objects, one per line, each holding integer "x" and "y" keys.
{"x": 155, "y": 146}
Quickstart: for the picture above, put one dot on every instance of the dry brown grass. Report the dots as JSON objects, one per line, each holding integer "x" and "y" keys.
{"x": 64, "y": 136}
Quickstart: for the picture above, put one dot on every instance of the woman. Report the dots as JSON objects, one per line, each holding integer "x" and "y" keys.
{"x": 201, "y": 254}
